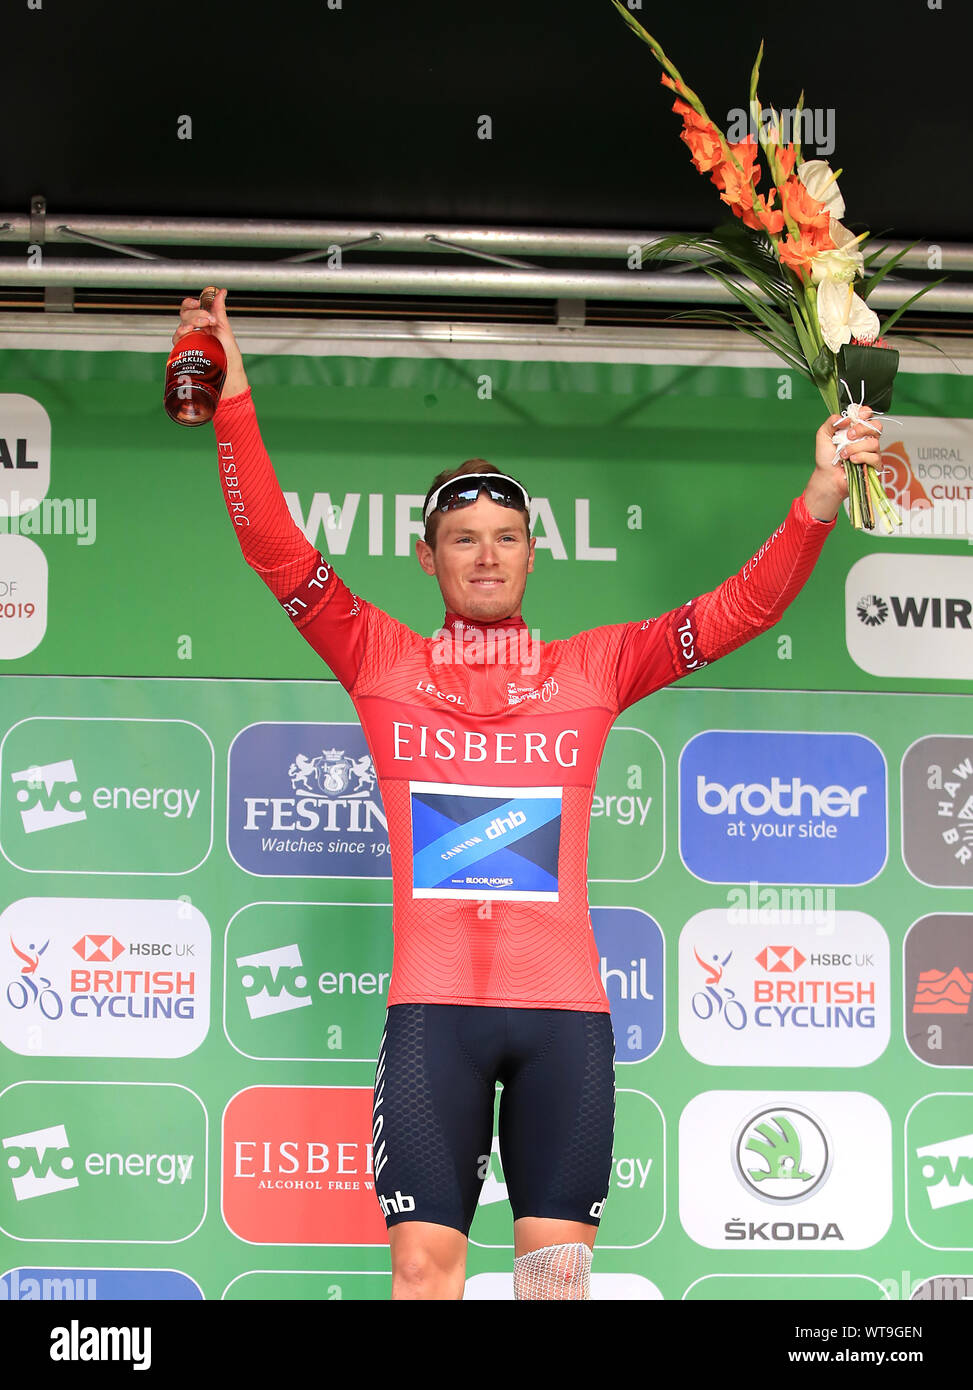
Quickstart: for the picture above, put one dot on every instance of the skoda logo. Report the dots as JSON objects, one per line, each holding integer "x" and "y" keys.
{"x": 782, "y": 1154}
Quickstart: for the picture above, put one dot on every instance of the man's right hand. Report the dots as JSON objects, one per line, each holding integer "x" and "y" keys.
{"x": 215, "y": 321}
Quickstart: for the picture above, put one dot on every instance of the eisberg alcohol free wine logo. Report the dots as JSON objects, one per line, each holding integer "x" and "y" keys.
{"x": 298, "y": 1166}
{"x": 765, "y": 807}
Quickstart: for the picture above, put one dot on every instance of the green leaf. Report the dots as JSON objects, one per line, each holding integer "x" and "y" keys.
{"x": 766, "y": 339}
{"x": 763, "y": 270}
{"x": 767, "y": 316}
{"x": 823, "y": 367}
{"x": 872, "y": 280}
{"x": 894, "y": 317}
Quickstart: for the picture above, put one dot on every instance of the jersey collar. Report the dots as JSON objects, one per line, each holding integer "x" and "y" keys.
{"x": 453, "y": 620}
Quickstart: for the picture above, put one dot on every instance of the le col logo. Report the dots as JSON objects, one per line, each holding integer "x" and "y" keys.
{"x": 316, "y": 811}
{"x": 782, "y": 807}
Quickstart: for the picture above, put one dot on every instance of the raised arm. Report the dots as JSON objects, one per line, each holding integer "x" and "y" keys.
{"x": 661, "y": 650}
{"x": 314, "y": 598}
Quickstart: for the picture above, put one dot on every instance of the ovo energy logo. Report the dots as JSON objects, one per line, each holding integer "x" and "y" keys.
{"x": 274, "y": 981}
{"x": 939, "y": 1171}
{"x": 106, "y": 796}
{"x": 307, "y": 981}
{"x": 39, "y": 1163}
{"x": 101, "y": 1162}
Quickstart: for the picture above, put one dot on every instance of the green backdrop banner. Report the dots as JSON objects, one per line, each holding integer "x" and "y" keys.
{"x": 196, "y": 943}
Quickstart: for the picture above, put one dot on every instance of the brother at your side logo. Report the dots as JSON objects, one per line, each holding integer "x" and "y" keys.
{"x": 782, "y": 807}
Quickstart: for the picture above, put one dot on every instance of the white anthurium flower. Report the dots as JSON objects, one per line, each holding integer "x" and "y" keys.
{"x": 844, "y": 263}
{"x": 843, "y": 315}
{"x": 822, "y": 184}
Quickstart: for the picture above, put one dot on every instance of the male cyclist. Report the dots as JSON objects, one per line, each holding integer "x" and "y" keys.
{"x": 486, "y": 744}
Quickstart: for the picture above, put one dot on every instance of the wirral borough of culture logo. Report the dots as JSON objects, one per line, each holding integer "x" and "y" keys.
{"x": 872, "y": 610}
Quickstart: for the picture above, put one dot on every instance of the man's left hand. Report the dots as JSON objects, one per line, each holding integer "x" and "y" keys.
{"x": 828, "y": 487}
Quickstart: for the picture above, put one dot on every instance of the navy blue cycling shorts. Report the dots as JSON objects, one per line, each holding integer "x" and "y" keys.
{"x": 435, "y": 1093}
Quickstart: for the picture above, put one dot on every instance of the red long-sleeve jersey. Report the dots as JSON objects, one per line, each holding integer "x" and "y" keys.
{"x": 486, "y": 746}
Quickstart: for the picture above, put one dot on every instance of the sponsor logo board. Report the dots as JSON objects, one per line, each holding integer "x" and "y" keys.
{"x": 308, "y": 981}
{"x": 911, "y": 615}
{"x": 103, "y": 977}
{"x": 102, "y": 1161}
{"x": 782, "y": 992}
{"x": 303, "y": 801}
{"x": 801, "y": 1170}
{"x": 782, "y": 807}
{"x": 112, "y": 796}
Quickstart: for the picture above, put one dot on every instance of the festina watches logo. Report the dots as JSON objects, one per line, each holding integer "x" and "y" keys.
{"x": 332, "y": 792}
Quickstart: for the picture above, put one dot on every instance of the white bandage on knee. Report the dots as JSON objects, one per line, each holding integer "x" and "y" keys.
{"x": 555, "y": 1272}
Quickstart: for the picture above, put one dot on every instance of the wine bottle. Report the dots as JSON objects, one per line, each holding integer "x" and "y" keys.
{"x": 195, "y": 374}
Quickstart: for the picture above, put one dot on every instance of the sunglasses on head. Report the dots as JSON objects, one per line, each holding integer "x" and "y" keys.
{"x": 464, "y": 491}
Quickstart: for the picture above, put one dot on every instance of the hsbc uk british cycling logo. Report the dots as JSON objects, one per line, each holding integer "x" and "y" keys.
{"x": 782, "y": 1154}
{"x": 304, "y": 802}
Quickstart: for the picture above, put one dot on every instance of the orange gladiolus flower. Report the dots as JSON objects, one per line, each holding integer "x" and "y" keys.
{"x": 812, "y": 218}
{"x": 798, "y": 254}
{"x": 786, "y": 155}
{"x": 764, "y": 215}
{"x": 737, "y": 180}
{"x": 701, "y": 136}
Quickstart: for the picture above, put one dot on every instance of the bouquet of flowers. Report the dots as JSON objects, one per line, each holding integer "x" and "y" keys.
{"x": 792, "y": 264}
